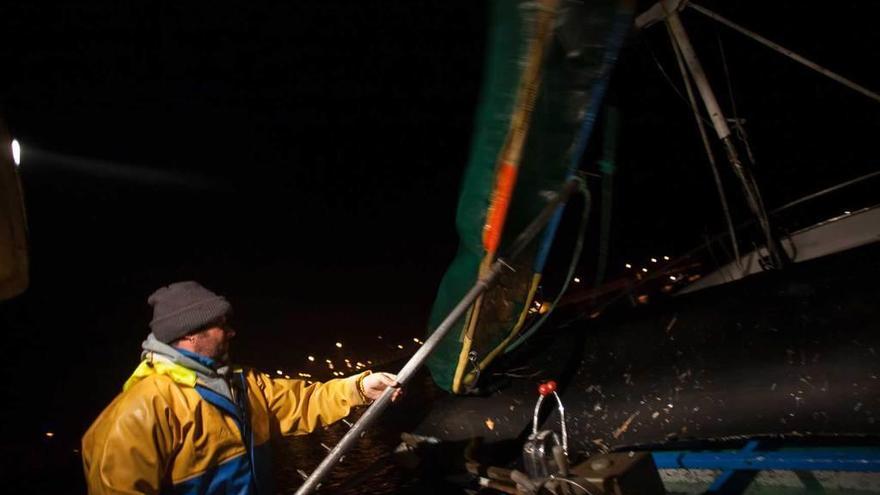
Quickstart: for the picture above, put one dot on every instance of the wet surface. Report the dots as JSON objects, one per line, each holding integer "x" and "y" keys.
{"x": 371, "y": 467}
{"x": 780, "y": 353}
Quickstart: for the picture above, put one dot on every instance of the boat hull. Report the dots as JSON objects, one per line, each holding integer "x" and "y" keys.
{"x": 779, "y": 353}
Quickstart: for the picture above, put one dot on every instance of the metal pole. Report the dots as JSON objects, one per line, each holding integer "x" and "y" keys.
{"x": 823, "y": 192}
{"x": 416, "y": 362}
{"x": 788, "y": 53}
{"x": 708, "y": 148}
{"x": 696, "y": 68}
{"x": 753, "y": 196}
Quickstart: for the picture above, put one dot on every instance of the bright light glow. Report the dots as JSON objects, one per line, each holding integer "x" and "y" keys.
{"x": 845, "y": 212}
{"x": 666, "y": 258}
{"x": 577, "y": 280}
{"x": 339, "y": 345}
{"x": 628, "y": 265}
{"x": 415, "y": 340}
{"x": 312, "y": 358}
{"x": 16, "y": 152}
{"x": 279, "y": 372}
{"x": 49, "y": 434}
{"x": 287, "y": 376}
{"x": 399, "y": 346}
{"x": 329, "y": 362}
{"x": 369, "y": 362}
{"x": 379, "y": 337}
{"x": 672, "y": 277}
{"x": 645, "y": 270}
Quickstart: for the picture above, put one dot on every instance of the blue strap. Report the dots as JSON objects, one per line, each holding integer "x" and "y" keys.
{"x": 243, "y": 469}
{"x": 615, "y": 42}
{"x": 232, "y": 477}
{"x": 222, "y": 403}
{"x": 203, "y": 360}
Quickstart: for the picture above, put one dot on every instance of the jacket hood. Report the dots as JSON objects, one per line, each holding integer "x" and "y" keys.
{"x": 214, "y": 379}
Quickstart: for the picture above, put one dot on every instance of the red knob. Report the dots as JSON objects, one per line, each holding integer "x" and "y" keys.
{"x": 547, "y": 388}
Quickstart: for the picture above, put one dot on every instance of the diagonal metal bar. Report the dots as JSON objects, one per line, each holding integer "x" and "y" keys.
{"x": 418, "y": 359}
{"x": 788, "y": 53}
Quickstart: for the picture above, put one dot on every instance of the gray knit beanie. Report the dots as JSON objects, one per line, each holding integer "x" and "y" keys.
{"x": 183, "y": 307}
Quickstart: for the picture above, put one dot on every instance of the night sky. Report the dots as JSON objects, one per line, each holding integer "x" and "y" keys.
{"x": 304, "y": 159}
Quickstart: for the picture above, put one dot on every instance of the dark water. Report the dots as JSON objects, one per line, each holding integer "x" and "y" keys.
{"x": 371, "y": 467}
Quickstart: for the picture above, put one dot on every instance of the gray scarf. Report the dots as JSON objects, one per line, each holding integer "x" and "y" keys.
{"x": 214, "y": 379}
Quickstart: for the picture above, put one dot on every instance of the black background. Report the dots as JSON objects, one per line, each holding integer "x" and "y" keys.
{"x": 304, "y": 159}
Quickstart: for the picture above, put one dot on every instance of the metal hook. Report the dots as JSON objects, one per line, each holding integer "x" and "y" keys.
{"x": 561, "y": 410}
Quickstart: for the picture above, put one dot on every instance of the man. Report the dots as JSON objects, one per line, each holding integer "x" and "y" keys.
{"x": 188, "y": 422}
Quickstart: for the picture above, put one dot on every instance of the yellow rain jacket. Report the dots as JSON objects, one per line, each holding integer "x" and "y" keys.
{"x": 168, "y": 433}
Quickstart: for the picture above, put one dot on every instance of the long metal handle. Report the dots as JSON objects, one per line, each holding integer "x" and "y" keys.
{"x": 416, "y": 362}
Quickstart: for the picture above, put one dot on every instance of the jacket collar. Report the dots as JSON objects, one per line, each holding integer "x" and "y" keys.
{"x": 203, "y": 360}
{"x": 163, "y": 358}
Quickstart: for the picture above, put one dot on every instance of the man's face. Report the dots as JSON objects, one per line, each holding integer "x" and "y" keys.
{"x": 214, "y": 341}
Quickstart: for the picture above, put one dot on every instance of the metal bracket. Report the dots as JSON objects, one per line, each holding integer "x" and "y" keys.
{"x": 658, "y": 12}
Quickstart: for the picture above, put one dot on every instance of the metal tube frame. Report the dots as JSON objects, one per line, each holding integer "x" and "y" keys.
{"x": 681, "y": 43}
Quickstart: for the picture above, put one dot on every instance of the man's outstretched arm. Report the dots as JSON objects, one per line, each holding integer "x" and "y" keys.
{"x": 300, "y": 408}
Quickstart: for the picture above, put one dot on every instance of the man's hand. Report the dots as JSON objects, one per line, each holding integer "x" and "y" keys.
{"x": 376, "y": 383}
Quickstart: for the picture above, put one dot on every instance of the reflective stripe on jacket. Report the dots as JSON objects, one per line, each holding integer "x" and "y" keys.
{"x": 165, "y": 433}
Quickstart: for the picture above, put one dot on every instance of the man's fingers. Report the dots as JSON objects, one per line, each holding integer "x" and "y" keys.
{"x": 388, "y": 379}
{"x": 396, "y": 394}
{"x": 376, "y": 383}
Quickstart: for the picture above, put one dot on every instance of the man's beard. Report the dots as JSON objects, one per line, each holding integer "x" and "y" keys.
{"x": 222, "y": 354}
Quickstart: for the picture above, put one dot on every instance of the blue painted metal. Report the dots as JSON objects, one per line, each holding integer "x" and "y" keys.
{"x": 799, "y": 460}
{"x": 723, "y": 483}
